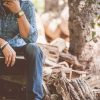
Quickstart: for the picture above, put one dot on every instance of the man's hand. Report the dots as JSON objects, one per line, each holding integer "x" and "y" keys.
{"x": 10, "y": 55}
{"x": 12, "y": 5}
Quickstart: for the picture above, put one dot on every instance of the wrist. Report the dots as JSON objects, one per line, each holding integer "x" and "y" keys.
{"x": 2, "y": 41}
{"x": 19, "y": 13}
{"x": 3, "y": 45}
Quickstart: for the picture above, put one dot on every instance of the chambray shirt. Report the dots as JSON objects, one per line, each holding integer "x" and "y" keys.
{"x": 9, "y": 29}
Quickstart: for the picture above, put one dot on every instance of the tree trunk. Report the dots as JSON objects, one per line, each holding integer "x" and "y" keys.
{"x": 81, "y": 15}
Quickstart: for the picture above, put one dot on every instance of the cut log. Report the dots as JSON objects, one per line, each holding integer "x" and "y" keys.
{"x": 60, "y": 43}
{"x": 76, "y": 89}
{"x": 70, "y": 59}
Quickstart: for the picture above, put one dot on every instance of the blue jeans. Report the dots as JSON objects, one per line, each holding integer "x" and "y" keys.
{"x": 34, "y": 59}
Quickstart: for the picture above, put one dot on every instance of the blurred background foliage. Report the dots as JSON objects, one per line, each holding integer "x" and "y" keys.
{"x": 39, "y": 5}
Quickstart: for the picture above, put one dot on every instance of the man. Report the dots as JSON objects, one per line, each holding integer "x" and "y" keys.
{"x": 18, "y": 33}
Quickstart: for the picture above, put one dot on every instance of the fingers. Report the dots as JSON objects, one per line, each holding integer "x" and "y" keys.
{"x": 12, "y": 5}
{"x": 6, "y": 60}
{"x": 10, "y": 59}
{"x": 10, "y": 1}
{"x": 10, "y": 55}
{"x": 8, "y": 4}
{"x": 13, "y": 60}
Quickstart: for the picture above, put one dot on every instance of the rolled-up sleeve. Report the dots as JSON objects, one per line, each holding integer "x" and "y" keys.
{"x": 29, "y": 11}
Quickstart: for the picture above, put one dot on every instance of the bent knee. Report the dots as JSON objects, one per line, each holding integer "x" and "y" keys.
{"x": 32, "y": 49}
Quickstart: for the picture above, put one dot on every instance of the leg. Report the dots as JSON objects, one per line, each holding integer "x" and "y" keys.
{"x": 34, "y": 56}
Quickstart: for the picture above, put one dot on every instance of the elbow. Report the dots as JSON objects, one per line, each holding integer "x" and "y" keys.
{"x": 31, "y": 38}
{"x": 25, "y": 33}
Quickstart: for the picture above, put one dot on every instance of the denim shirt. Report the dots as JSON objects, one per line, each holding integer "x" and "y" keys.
{"x": 9, "y": 27}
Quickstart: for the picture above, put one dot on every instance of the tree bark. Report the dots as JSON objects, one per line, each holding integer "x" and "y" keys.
{"x": 81, "y": 15}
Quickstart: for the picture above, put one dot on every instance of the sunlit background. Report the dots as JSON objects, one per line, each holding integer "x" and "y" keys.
{"x": 52, "y": 20}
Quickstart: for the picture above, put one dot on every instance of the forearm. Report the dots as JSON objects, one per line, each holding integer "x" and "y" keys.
{"x": 27, "y": 25}
{"x": 24, "y": 26}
